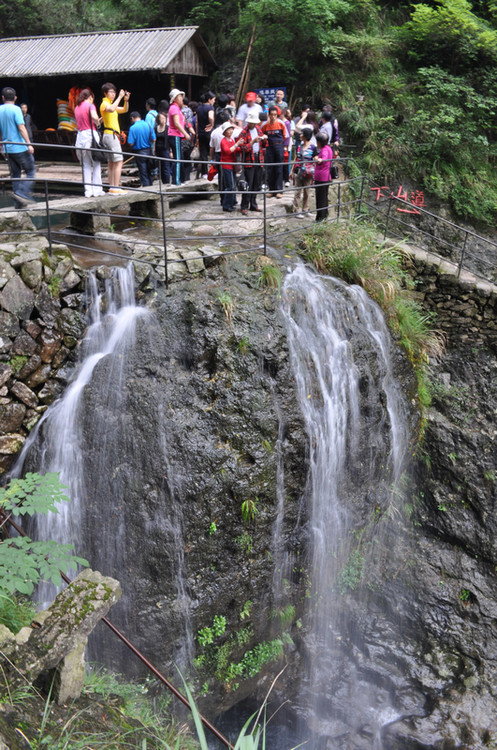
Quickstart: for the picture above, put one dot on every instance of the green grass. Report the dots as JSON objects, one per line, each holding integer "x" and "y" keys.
{"x": 270, "y": 277}
{"x": 15, "y": 611}
{"x": 226, "y": 301}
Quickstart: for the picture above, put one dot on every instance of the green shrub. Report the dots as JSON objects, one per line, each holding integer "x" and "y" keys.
{"x": 15, "y": 611}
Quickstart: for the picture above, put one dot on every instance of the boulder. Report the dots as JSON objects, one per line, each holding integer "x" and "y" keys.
{"x": 24, "y": 394}
{"x": 11, "y": 444}
{"x": 39, "y": 376}
{"x": 193, "y": 260}
{"x": 17, "y": 298}
{"x": 47, "y": 306}
{"x": 50, "y": 391}
{"x": 69, "y": 281}
{"x": 30, "y": 366}
{"x": 5, "y": 344}
{"x": 211, "y": 254}
{"x": 24, "y": 345}
{"x": 71, "y": 323}
{"x": 50, "y": 341}
{"x": 5, "y": 373}
{"x": 60, "y": 633}
{"x": 9, "y": 324}
{"x": 32, "y": 328}
{"x": 11, "y": 417}
{"x": 32, "y": 273}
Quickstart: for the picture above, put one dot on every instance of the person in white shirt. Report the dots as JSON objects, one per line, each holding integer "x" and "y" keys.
{"x": 249, "y": 106}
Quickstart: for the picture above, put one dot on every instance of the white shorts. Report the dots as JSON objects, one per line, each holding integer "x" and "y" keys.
{"x": 112, "y": 142}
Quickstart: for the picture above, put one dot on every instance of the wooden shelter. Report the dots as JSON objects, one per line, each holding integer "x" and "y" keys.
{"x": 146, "y": 62}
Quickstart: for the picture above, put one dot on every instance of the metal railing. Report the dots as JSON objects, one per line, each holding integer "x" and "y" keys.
{"x": 349, "y": 196}
{"x": 461, "y": 246}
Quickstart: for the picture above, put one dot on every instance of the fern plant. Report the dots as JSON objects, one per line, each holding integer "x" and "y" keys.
{"x": 24, "y": 562}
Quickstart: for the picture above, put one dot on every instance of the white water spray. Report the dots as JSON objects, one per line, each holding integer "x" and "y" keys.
{"x": 56, "y": 443}
{"x": 357, "y": 449}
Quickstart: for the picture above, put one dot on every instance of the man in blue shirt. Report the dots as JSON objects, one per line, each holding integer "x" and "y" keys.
{"x": 141, "y": 138}
{"x": 150, "y": 119}
{"x": 19, "y": 151}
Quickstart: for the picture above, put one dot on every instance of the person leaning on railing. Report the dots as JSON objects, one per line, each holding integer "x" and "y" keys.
{"x": 176, "y": 132}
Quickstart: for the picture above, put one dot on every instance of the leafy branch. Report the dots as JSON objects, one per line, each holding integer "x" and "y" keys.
{"x": 24, "y": 562}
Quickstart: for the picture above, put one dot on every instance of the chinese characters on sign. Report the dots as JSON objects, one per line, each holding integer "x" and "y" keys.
{"x": 417, "y": 198}
{"x": 269, "y": 94}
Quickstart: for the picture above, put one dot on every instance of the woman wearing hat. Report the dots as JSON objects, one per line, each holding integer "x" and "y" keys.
{"x": 228, "y": 149}
{"x": 176, "y": 132}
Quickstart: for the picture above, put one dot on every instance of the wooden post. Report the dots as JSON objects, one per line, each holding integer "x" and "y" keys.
{"x": 244, "y": 77}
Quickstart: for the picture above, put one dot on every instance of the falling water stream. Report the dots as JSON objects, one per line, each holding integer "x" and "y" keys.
{"x": 356, "y": 421}
{"x": 55, "y": 444}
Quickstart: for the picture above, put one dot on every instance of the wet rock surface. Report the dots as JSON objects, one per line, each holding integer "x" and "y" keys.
{"x": 208, "y": 412}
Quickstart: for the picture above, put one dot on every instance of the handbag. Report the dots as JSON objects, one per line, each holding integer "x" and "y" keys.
{"x": 195, "y": 154}
{"x": 98, "y": 152}
{"x": 212, "y": 172}
{"x": 307, "y": 169}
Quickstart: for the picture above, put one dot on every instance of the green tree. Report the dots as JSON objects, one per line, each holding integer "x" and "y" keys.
{"x": 449, "y": 35}
{"x": 294, "y": 43}
{"x": 24, "y": 562}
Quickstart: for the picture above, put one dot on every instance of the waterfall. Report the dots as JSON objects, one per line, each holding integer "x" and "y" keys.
{"x": 355, "y": 417}
{"x": 56, "y": 443}
{"x": 107, "y": 457}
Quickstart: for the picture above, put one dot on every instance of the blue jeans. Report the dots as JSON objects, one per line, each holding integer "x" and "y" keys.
{"x": 22, "y": 161}
{"x": 175, "y": 146}
{"x": 228, "y": 197}
{"x": 145, "y": 166}
{"x": 165, "y": 164}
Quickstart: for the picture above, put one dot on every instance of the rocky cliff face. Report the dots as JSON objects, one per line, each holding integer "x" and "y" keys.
{"x": 184, "y": 478}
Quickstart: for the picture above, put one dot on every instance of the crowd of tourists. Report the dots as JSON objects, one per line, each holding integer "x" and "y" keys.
{"x": 257, "y": 145}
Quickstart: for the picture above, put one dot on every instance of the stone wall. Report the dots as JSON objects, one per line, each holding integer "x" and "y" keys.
{"x": 40, "y": 325}
{"x": 465, "y": 306}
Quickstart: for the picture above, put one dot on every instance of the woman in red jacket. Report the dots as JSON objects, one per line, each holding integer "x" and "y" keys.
{"x": 228, "y": 150}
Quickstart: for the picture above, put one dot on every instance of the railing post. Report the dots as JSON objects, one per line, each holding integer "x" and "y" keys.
{"x": 388, "y": 218}
{"x": 338, "y": 200}
{"x": 49, "y": 225}
{"x": 265, "y": 218}
{"x": 463, "y": 252}
{"x": 164, "y": 234}
{"x": 362, "y": 193}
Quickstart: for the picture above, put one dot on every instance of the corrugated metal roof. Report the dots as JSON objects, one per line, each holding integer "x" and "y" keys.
{"x": 97, "y": 52}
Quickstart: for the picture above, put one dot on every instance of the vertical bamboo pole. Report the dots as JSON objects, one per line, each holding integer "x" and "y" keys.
{"x": 244, "y": 77}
